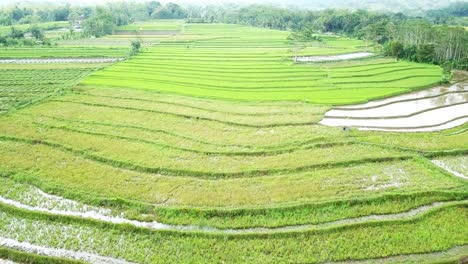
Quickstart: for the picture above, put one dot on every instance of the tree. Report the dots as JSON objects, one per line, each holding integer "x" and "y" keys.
{"x": 152, "y": 6}
{"x": 303, "y": 38}
{"x": 73, "y": 17}
{"x": 99, "y": 24}
{"x": 306, "y": 35}
{"x": 61, "y": 13}
{"x": 394, "y": 49}
{"x": 169, "y": 11}
{"x": 425, "y": 53}
{"x": 37, "y": 33}
{"x": 135, "y": 47}
{"x": 17, "y": 13}
{"x": 5, "y": 19}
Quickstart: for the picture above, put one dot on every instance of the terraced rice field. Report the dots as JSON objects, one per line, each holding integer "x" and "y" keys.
{"x": 434, "y": 109}
{"x": 256, "y": 64}
{"x": 158, "y": 24}
{"x": 150, "y": 33}
{"x": 63, "y": 52}
{"x": 212, "y": 151}
{"x": 23, "y": 84}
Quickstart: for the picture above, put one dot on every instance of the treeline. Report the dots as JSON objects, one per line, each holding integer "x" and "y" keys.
{"x": 418, "y": 39}
{"x": 104, "y": 19}
{"x": 434, "y": 38}
{"x": 94, "y": 21}
{"x": 18, "y": 14}
{"x": 423, "y": 42}
{"x": 17, "y": 37}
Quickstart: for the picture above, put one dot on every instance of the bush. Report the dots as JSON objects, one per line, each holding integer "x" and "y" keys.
{"x": 37, "y": 33}
{"x": 16, "y": 33}
{"x": 394, "y": 49}
{"x": 135, "y": 47}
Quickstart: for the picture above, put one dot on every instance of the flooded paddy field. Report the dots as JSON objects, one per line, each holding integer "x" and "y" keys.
{"x": 433, "y": 109}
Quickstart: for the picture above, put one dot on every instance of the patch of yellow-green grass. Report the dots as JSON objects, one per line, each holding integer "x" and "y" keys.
{"x": 446, "y": 140}
{"x": 73, "y": 172}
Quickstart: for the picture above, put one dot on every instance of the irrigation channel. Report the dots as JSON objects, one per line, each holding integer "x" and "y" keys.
{"x": 54, "y": 252}
{"x": 444, "y": 166}
{"x": 435, "y": 109}
{"x": 101, "y": 214}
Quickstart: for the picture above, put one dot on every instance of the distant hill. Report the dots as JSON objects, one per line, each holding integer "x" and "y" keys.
{"x": 414, "y": 7}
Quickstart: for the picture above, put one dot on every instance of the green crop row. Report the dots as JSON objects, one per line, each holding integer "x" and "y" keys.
{"x": 21, "y": 86}
{"x": 209, "y": 73}
{"x": 79, "y": 173}
{"x": 27, "y": 258}
{"x": 439, "y": 230}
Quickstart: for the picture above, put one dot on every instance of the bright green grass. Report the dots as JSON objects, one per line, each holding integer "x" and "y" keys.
{"x": 245, "y": 63}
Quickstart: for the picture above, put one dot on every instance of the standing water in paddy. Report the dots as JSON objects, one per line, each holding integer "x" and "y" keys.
{"x": 341, "y": 57}
{"x": 429, "y": 110}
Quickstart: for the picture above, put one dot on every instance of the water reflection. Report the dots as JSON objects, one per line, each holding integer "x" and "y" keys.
{"x": 340, "y": 57}
{"x": 429, "y": 110}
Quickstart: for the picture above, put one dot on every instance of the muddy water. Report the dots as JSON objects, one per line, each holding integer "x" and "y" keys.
{"x": 62, "y": 253}
{"x": 430, "y": 110}
{"x": 436, "y": 91}
{"x": 349, "y": 56}
{"x": 161, "y": 226}
{"x": 96, "y": 215}
{"x": 446, "y": 167}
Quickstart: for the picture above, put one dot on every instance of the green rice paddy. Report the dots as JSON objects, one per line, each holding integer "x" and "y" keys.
{"x": 256, "y": 65}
